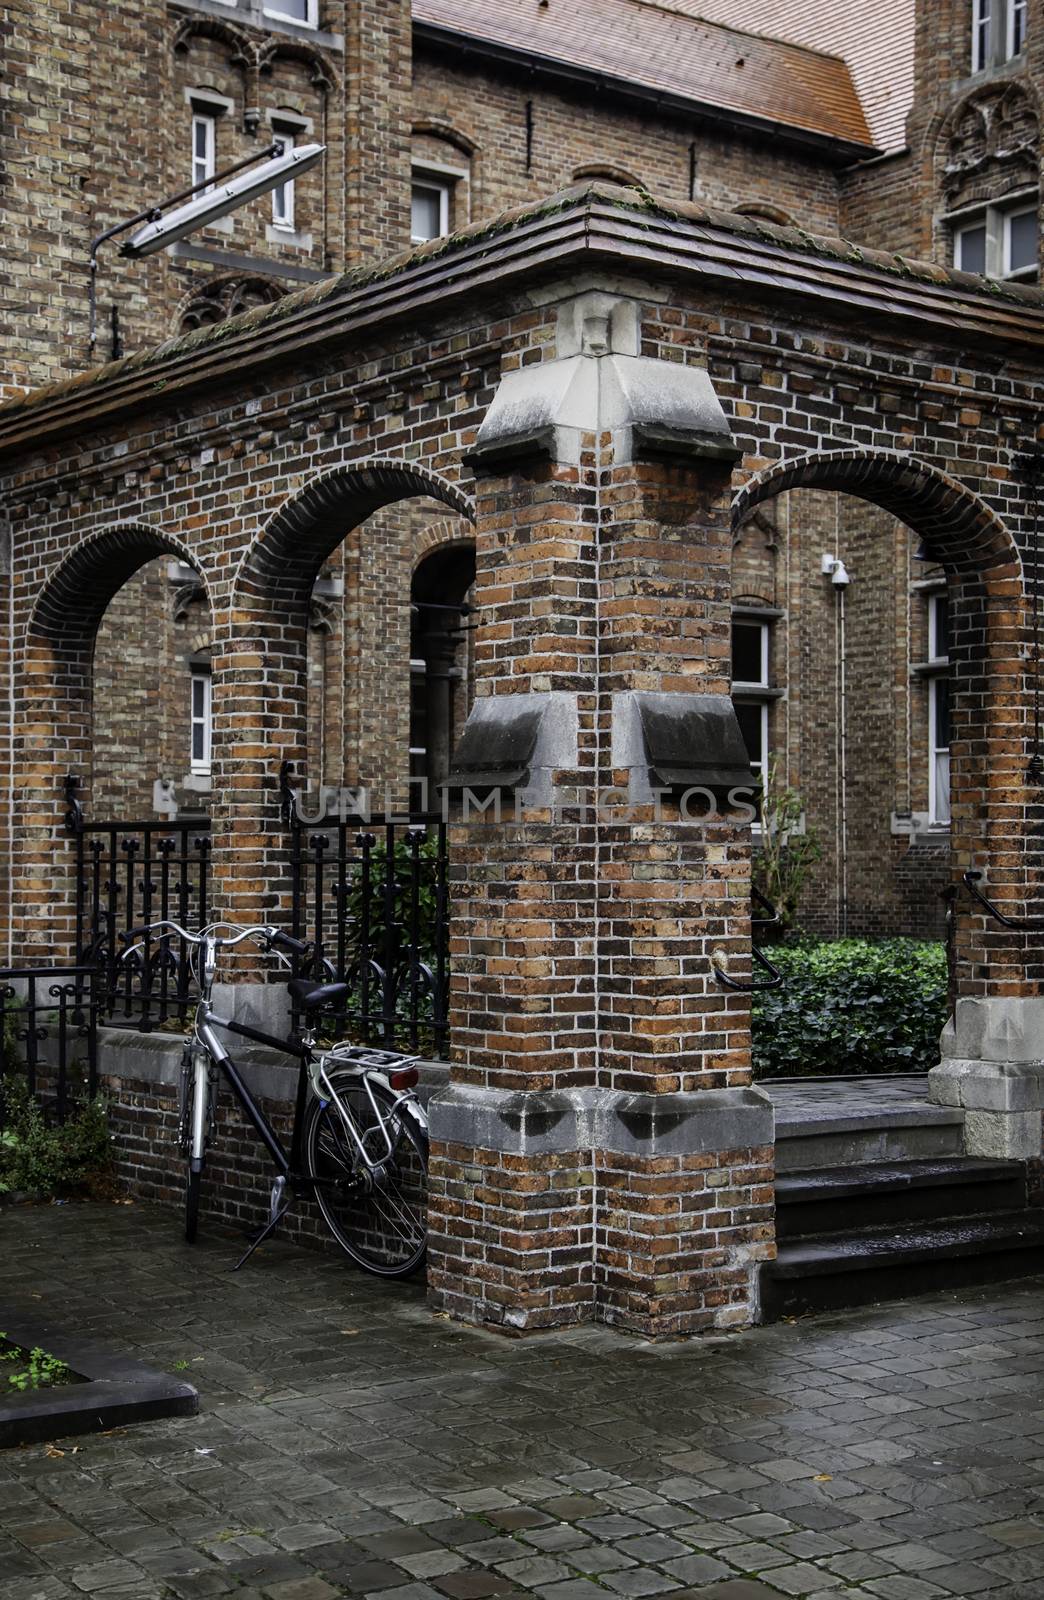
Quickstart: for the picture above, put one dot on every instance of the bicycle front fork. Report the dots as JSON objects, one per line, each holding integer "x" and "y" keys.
{"x": 196, "y": 1120}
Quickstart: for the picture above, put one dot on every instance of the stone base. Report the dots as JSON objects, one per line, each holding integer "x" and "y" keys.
{"x": 649, "y": 1212}
{"x": 993, "y": 1067}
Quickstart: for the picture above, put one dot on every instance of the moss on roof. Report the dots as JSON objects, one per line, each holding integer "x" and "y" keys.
{"x": 639, "y": 204}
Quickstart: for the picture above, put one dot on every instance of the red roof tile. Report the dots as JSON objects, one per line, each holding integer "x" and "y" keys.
{"x": 660, "y": 46}
{"x": 877, "y": 41}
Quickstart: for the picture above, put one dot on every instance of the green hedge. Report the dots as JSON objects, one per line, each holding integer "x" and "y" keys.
{"x": 851, "y": 1006}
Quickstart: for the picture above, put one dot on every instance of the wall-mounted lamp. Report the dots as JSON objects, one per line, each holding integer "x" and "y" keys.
{"x": 216, "y": 197}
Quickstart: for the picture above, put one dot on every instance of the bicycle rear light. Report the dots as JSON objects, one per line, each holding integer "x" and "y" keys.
{"x": 405, "y": 1078}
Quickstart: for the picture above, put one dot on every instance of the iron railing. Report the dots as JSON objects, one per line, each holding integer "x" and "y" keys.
{"x": 127, "y": 874}
{"x": 49, "y": 1033}
{"x": 373, "y": 902}
{"x": 372, "y": 899}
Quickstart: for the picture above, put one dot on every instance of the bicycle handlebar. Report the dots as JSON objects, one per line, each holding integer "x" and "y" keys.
{"x": 273, "y": 937}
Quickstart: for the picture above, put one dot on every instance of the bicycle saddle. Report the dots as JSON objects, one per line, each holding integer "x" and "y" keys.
{"x": 314, "y": 996}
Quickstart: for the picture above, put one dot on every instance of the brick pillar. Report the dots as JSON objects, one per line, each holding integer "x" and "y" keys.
{"x": 259, "y": 721}
{"x": 993, "y": 1047}
{"x": 52, "y": 737}
{"x": 599, "y": 1152}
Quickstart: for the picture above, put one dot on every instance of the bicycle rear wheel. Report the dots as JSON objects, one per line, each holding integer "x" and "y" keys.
{"x": 380, "y": 1218}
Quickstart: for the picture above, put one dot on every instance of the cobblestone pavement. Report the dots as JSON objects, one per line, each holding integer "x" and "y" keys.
{"x": 351, "y": 1445}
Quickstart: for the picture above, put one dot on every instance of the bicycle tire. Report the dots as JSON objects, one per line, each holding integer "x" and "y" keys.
{"x": 192, "y": 1205}
{"x": 383, "y": 1228}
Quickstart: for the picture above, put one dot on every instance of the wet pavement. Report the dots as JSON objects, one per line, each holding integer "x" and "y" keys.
{"x": 351, "y": 1444}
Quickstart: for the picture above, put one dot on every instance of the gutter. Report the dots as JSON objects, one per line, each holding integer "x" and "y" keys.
{"x": 829, "y": 148}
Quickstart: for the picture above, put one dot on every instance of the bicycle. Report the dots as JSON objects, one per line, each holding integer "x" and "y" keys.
{"x": 359, "y": 1142}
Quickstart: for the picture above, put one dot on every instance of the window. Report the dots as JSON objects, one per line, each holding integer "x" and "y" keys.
{"x": 750, "y": 672}
{"x": 998, "y": 32}
{"x": 938, "y": 710}
{"x": 304, "y": 12}
{"x": 982, "y": 30}
{"x": 203, "y": 147}
{"x": 970, "y": 249}
{"x": 1020, "y": 243}
{"x": 429, "y": 210}
{"x": 199, "y": 720}
{"x": 999, "y": 242}
{"x": 283, "y": 196}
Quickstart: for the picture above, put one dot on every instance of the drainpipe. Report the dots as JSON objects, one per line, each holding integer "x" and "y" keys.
{"x": 834, "y": 568}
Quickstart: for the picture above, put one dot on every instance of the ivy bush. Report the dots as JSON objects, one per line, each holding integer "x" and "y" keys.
{"x": 39, "y": 1158}
{"x": 850, "y": 1007}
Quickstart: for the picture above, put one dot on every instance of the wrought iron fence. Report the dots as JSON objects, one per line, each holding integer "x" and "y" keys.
{"x": 49, "y": 1033}
{"x": 372, "y": 899}
{"x": 127, "y": 874}
{"x": 373, "y": 902}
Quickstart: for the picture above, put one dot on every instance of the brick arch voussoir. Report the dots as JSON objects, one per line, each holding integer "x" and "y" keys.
{"x": 445, "y": 533}
{"x": 287, "y": 553}
{"x": 961, "y": 532}
{"x": 74, "y": 598}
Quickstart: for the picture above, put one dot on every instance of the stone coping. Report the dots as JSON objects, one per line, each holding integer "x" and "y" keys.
{"x": 156, "y": 1058}
{"x": 117, "y": 1391}
{"x": 600, "y": 223}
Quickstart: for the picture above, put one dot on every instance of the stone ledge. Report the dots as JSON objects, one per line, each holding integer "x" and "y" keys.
{"x": 546, "y": 1123}
{"x": 117, "y": 1390}
{"x": 155, "y": 1058}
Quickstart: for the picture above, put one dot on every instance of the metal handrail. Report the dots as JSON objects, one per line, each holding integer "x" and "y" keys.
{"x": 1024, "y": 925}
{"x": 748, "y": 985}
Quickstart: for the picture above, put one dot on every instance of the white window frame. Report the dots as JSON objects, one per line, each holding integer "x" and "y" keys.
{"x": 204, "y": 720}
{"x": 271, "y": 8}
{"x": 758, "y": 767}
{"x": 1018, "y": 10}
{"x": 744, "y": 620}
{"x": 207, "y": 121}
{"x": 1008, "y": 217}
{"x": 994, "y": 26}
{"x": 982, "y": 34}
{"x": 744, "y": 690}
{"x": 938, "y": 811}
{"x": 424, "y": 180}
{"x": 283, "y": 197}
{"x": 997, "y": 221}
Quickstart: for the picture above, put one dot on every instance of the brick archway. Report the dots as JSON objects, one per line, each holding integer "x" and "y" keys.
{"x": 75, "y": 597}
{"x": 260, "y": 671}
{"x": 291, "y": 547}
{"x": 991, "y": 702}
{"x": 55, "y": 715}
{"x": 958, "y": 528}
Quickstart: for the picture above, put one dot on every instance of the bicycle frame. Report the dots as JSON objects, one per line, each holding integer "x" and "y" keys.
{"x": 288, "y": 1165}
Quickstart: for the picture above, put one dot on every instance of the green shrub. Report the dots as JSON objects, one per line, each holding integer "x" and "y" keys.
{"x": 39, "y": 1158}
{"x": 851, "y": 1006}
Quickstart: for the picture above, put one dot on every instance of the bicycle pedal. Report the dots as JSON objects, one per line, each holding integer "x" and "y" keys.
{"x": 275, "y": 1202}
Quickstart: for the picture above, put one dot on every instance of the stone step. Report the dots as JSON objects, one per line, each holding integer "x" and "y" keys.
{"x": 830, "y": 1200}
{"x": 834, "y": 1123}
{"x": 861, "y": 1268}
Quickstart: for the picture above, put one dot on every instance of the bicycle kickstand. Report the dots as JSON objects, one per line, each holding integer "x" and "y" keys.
{"x": 277, "y": 1211}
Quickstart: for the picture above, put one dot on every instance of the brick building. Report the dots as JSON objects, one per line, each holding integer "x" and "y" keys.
{"x": 918, "y": 134}
{"x": 565, "y": 464}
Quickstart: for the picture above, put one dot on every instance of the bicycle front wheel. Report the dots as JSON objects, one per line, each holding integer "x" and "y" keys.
{"x": 378, "y": 1216}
